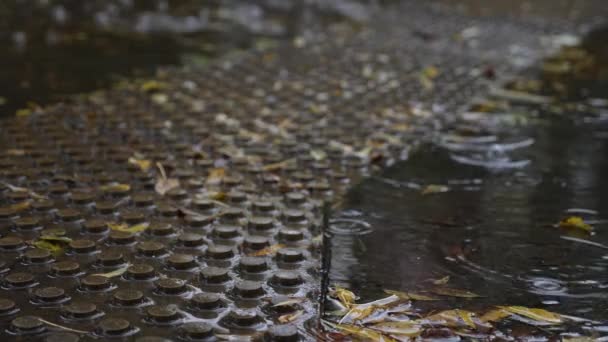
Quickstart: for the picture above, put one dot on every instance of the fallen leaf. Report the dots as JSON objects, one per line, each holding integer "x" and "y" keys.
{"x": 152, "y": 86}
{"x": 534, "y": 314}
{"x": 215, "y": 176}
{"x": 289, "y": 301}
{"x": 123, "y": 227}
{"x": 23, "y": 112}
{"x": 407, "y": 328}
{"x": 287, "y": 318}
{"x": 55, "y": 238}
{"x": 318, "y": 154}
{"x": 115, "y": 187}
{"x": 143, "y": 164}
{"x": 270, "y": 250}
{"x": 453, "y": 318}
{"x": 364, "y": 333}
{"x": 346, "y": 297}
{"x": 441, "y": 281}
{"x": 163, "y": 186}
{"x": 494, "y": 315}
{"x": 277, "y": 166}
{"x": 21, "y": 206}
{"x": 575, "y": 222}
{"x": 410, "y": 295}
{"x": 434, "y": 189}
{"x": 54, "y": 248}
{"x": 445, "y": 291}
{"x": 15, "y": 152}
{"x": 114, "y": 273}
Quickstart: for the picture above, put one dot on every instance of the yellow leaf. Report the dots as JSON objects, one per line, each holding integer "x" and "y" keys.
{"x": 434, "y": 189}
{"x": 114, "y": 273}
{"x": 143, "y": 164}
{"x": 123, "y": 227}
{"x": 430, "y": 72}
{"x": 364, "y": 333}
{"x": 494, "y": 315}
{"x": 290, "y": 301}
{"x": 115, "y": 187}
{"x": 534, "y": 314}
{"x": 445, "y": 291}
{"x": 55, "y": 238}
{"x": 442, "y": 281}
{"x": 406, "y": 328}
{"x": 575, "y": 222}
{"x": 277, "y": 166}
{"x": 454, "y": 318}
{"x": 287, "y": 318}
{"x": 54, "y": 248}
{"x": 153, "y": 85}
{"x": 215, "y": 176}
{"x": 23, "y": 112}
{"x": 410, "y": 295}
{"x": 21, "y": 206}
{"x": 270, "y": 250}
{"x": 346, "y": 297}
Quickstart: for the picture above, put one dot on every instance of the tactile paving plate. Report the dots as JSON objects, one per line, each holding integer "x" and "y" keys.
{"x": 258, "y": 143}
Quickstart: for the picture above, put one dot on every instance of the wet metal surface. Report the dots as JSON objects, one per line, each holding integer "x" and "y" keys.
{"x": 189, "y": 206}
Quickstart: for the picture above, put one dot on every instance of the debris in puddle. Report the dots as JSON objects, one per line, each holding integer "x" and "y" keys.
{"x": 575, "y": 222}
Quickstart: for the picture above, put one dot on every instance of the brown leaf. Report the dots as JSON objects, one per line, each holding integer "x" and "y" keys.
{"x": 270, "y": 250}
{"x": 287, "y": 318}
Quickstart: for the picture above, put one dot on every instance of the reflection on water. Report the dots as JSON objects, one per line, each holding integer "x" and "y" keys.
{"x": 493, "y": 232}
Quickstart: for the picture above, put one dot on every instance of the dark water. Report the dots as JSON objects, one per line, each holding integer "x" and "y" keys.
{"x": 492, "y": 232}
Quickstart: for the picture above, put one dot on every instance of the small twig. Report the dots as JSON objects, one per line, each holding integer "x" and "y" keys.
{"x": 62, "y": 327}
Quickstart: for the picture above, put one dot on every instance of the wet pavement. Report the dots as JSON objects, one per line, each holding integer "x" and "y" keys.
{"x": 189, "y": 205}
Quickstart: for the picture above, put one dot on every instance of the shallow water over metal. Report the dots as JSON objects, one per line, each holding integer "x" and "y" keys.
{"x": 493, "y": 232}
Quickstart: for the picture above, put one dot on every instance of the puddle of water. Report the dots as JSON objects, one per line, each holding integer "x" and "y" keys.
{"x": 493, "y": 232}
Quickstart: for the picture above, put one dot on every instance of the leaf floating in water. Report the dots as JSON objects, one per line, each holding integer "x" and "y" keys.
{"x": 405, "y": 328}
{"x": 540, "y": 315}
{"x": 54, "y": 247}
{"x": 495, "y": 315}
{"x": 434, "y": 189}
{"x": 143, "y": 164}
{"x": 454, "y": 318}
{"x": 114, "y": 273}
{"x": 441, "y": 281}
{"x": 410, "y": 295}
{"x": 361, "y": 332}
{"x": 575, "y": 222}
{"x": 270, "y": 250}
{"x": 290, "y": 317}
{"x": 445, "y": 291}
{"x": 289, "y": 301}
{"x": 346, "y": 297}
